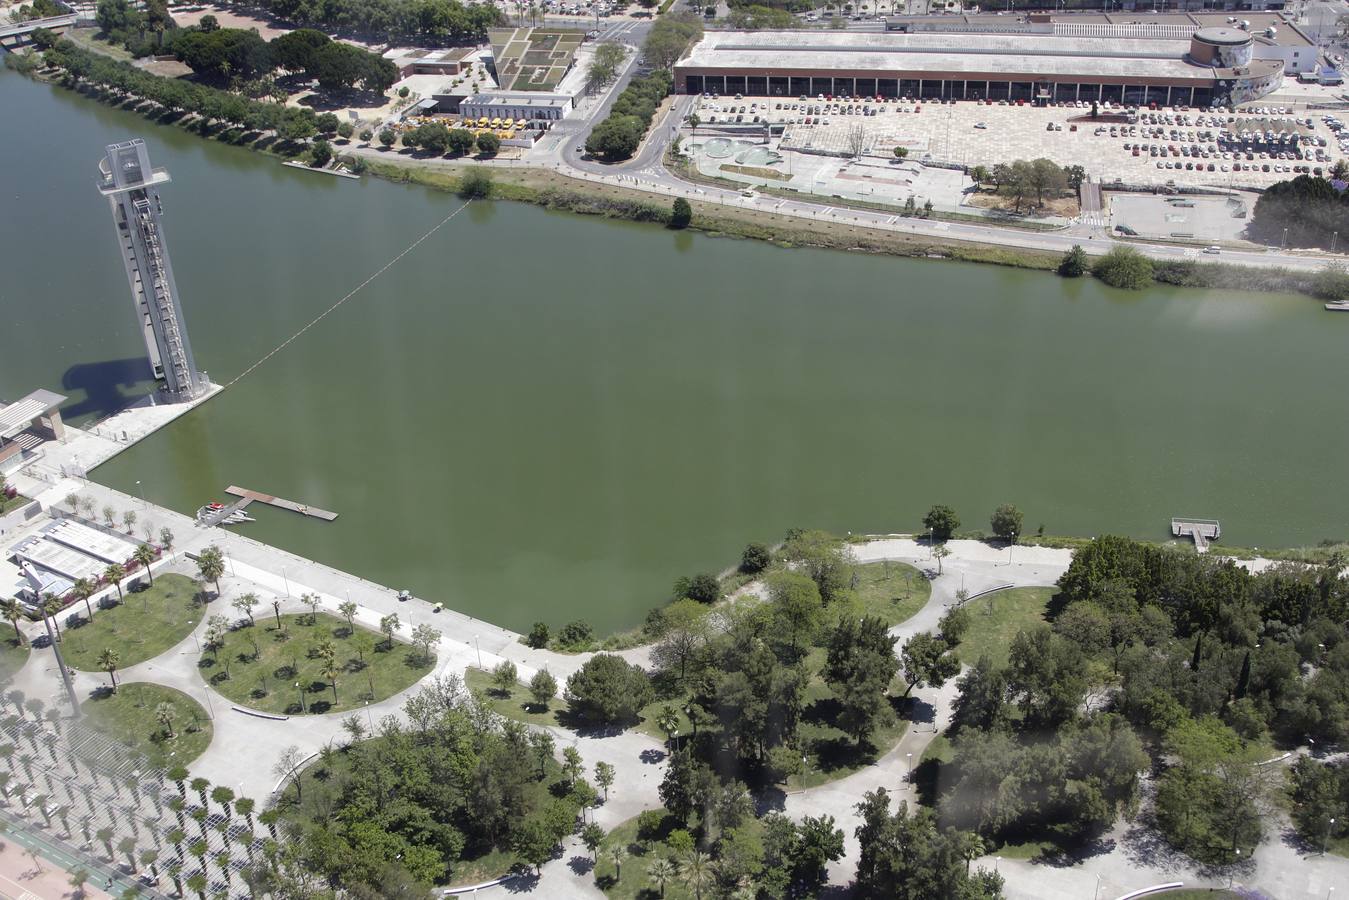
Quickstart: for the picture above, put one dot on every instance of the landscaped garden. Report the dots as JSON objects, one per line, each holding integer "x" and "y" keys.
{"x": 309, "y": 664}
{"x": 145, "y": 624}
{"x": 890, "y": 591}
{"x": 168, "y": 726}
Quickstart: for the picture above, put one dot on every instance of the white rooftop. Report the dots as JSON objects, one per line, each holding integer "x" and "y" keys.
{"x": 946, "y": 52}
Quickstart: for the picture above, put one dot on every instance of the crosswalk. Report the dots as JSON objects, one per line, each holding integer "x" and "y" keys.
{"x": 616, "y": 30}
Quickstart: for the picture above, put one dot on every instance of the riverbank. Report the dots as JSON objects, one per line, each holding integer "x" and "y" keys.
{"x": 554, "y": 190}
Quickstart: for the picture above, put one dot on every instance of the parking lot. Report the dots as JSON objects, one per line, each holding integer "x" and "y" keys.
{"x": 1252, "y": 146}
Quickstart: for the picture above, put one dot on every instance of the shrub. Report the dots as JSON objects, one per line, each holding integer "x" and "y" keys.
{"x": 538, "y": 636}
{"x": 1074, "y": 263}
{"x": 322, "y": 153}
{"x": 1124, "y": 267}
{"x": 1331, "y": 283}
{"x": 387, "y": 136}
{"x": 575, "y": 635}
{"x": 476, "y": 184}
{"x": 608, "y": 689}
{"x": 346, "y": 130}
{"x": 704, "y": 588}
{"x": 755, "y": 558}
{"x": 681, "y": 214}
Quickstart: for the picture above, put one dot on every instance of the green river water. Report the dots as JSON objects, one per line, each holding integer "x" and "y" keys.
{"x": 541, "y": 416}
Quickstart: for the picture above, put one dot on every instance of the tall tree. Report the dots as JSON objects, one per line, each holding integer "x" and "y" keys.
{"x": 860, "y": 665}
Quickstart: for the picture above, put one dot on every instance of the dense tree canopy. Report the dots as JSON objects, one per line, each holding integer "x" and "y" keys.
{"x": 608, "y": 689}
{"x": 1309, "y": 207}
{"x": 908, "y": 857}
{"x": 421, "y": 21}
{"x": 417, "y": 799}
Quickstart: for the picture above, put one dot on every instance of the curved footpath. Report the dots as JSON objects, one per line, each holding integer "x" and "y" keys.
{"x": 246, "y": 747}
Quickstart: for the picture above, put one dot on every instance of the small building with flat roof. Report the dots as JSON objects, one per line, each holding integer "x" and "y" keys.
{"x": 510, "y": 105}
{"x": 415, "y": 61}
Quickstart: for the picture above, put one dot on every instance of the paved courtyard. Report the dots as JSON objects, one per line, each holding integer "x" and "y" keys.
{"x": 1185, "y": 217}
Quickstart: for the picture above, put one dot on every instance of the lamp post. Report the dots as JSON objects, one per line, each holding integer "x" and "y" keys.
{"x": 1232, "y": 872}
{"x": 147, "y": 505}
{"x": 910, "y": 756}
{"x": 1325, "y": 842}
{"x": 285, "y": 581}
{"x": 479, "y": 649}
{"x": 369, "y": 717}
{"x": 1010, "y": 544}
{"x": 301, "y": 693}
{"x": 1335, "y": 236}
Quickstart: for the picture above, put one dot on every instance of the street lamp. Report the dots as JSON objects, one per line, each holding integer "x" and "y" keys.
{"x": 1325, "y": 842}
{"x": 285, "y": 581}
{"x": 910, "y": 755}
{"x": 479, "y": 649}
{"x": 369, "y": 717}
{"x": 147, "y": 505}
{"x": 1232, "y": 872}
{"x": 301, "y": 693}
{"x": 1009, "y": 548}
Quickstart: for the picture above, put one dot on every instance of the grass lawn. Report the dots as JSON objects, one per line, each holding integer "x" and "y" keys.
{"x": 11, "y": 503}
{"x": 992, "y": 632}
{"x": 830, "y": 753}
{"x": 891, "y": 591}
{"x": 128, "y": 716}
{"x": 12, "y": 657}
{"x": 516, "y": 703}
{"x": 263, "y": 675}
{"x": 519, "y": 705}
{"x": 143, "y": 626}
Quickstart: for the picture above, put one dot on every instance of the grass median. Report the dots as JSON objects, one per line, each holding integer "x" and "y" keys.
{"x": 131, "y": 716}
{"x": 280, "y": 666}
{"x": 145, "y": 624}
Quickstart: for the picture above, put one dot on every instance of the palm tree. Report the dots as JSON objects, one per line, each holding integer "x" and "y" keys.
{"x": 197, "y": 884}
{"x": 695, "y": 870}
{"x": 10, "y": 608}
{"x": 51, "y": 605}
{"x": 330, "y": 672}
{"x": 662, "y": 870}
{"x": 128, "y": 846}
{"x": 244, "y": 806}
{"x": 145, "y": 555}
{"x": 617, "y": 853}
{"x": 211, "y": 565}
{"x": 200, "y": 785}
{"x": 164, "y": 714}
{"x": 84, "y": 589}
{"x": 108, "y": 660}
{"x": 115, "y": 573}
{"x": 223, "y": 796}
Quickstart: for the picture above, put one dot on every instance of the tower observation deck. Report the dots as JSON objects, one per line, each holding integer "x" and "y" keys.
{"x": 132, "y": 189}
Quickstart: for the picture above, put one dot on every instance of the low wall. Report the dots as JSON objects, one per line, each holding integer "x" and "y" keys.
{"x": 20, "y": 516}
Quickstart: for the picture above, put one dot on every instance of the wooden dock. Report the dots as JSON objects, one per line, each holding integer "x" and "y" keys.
{"x": 312, "y": 511}
{"x": 1202, "y": 530}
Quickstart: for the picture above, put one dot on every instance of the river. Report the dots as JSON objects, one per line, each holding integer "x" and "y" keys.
{"x": 541, "y": 416}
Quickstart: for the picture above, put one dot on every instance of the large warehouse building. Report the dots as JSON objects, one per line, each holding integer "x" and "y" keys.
{"x": 1207, "y": 66}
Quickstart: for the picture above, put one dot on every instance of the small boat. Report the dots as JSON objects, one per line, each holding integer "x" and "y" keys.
{"x": 1338, "y": 306}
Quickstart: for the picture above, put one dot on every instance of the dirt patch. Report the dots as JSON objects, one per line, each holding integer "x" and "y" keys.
{"x": 169, "y": 68}
{"x": 1062, "y": 206}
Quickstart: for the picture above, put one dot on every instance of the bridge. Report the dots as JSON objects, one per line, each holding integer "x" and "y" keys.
{"x": 1201, "y": 530}
{"x": 18, "y": 35}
